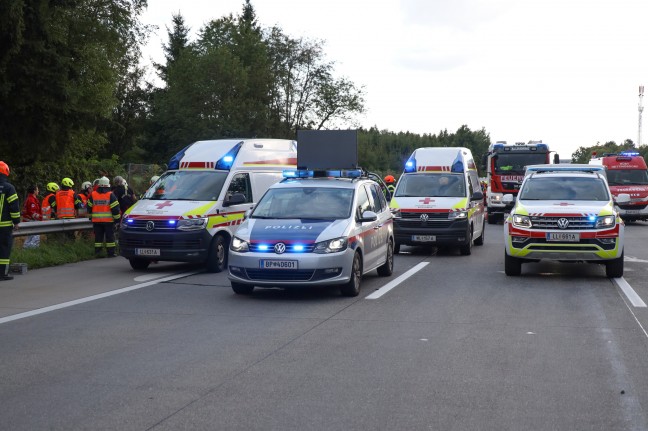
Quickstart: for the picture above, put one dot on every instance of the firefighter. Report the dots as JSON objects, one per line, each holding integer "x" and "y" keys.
{"x": 390, "y": 181}
{"x": 103, "y": 209}
{"x": 46, "y": 207}
{"x": 86, "y": 189}
{"x": 9, "y": 219}
{"x": 66, "y": 201}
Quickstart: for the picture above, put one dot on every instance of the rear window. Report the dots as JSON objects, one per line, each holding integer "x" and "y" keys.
{"x": 188, "y": 185}
{"x": 564, "y": 188}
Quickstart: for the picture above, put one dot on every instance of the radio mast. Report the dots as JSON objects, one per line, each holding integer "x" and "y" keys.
{"x": 641, "y": 93}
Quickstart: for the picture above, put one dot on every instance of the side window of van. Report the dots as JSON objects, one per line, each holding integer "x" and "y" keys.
{"x": 473, "y": 181}
{"x": 377, "y": 198}
{"x": 241, "y": 184}
{"x": 363, "y": 201}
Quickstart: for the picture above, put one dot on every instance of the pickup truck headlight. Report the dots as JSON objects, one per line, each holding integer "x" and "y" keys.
{"x": 239, "y": 245}
{"x": 605, "y": 221}
{"x": 192, "y": 224}
{"x": 457, "y": 215}
{"x": 331, "y": 246}
{"x": 521, "y": 221}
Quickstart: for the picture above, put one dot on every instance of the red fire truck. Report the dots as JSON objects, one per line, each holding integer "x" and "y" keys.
{"x": 505, "y": 164}
{"x": 627, "y": 173}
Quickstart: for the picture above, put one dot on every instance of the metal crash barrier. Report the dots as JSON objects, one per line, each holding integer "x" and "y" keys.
{"x": 50, "y": 226}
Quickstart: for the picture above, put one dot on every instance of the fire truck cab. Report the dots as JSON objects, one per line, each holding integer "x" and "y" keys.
{"x": 627, "y": 173}
{"x": 505, "y": 165}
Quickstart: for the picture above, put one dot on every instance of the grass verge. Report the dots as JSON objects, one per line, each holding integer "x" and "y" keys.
{"x": 55, "y": 249}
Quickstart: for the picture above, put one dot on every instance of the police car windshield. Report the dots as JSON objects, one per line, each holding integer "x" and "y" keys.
{"x": 564, "y": 188}
{"x": 432, "y": 184}
{"x": 627, "y": 177}
{"x": 188, "y": 185}
{"x": 305, "y": 203}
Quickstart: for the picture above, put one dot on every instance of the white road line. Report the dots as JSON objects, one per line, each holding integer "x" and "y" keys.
{"x": 629, "y": 292}
{"x": 389, "y": 286}
{"x": 153, "y": 276}
{"x": 92, "y": 298}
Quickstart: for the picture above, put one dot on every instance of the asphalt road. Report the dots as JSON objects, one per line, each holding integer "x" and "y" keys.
{"x": 457, "y": 345}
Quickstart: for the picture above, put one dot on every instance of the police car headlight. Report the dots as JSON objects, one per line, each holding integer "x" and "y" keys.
{"x": 192, "y": 224}
{"x": 521, "y": 221}
{"x": 457, "y": 215}
{"x": 605, "y": 221}
{"x": 331, "y": 246}
{"x": 237, "y": 244}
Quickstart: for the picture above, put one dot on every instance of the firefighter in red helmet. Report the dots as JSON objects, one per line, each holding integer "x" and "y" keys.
{"x": 9, "y": 219}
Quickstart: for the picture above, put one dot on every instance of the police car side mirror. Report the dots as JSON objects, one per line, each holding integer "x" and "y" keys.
{"x": 508, "y": 199}
{"x": 623, "y": 199}
{"x": 477, "y": 196}
{"x": 368, "y": 216}
{"x": 235, "y": 199}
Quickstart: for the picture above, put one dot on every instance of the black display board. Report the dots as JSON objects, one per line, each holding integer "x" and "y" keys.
{"x": 327, "y": 149}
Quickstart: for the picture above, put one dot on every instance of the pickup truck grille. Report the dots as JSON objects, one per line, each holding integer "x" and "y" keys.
{"x": 575, "y": 223}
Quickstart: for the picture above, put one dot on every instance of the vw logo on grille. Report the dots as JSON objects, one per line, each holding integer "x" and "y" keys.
{"x": 280, "y": 248}
{"x": 563, "y": 223}
{"x": 150, "y": 225}
{"x": 424, "y": 217}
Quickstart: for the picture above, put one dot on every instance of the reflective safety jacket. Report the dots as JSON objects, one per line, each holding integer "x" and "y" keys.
{"x": 64, "y": 204}
{"x": 46, "y": 207}
{"x": 103, "y": 206}
{"x": 9, "y": 205}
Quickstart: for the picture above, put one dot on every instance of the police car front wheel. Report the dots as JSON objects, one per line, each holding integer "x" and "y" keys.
{"x": 352, "y": 287}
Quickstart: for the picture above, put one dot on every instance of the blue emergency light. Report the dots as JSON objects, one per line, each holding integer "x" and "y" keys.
{"x": 629, "y": 153}
{"x": 410, "y": 165}
{"x": 225, "y": 162}
{"x": 305, "y": 173}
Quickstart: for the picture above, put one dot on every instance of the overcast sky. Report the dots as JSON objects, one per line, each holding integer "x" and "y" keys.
{"x": 566, "y": 72}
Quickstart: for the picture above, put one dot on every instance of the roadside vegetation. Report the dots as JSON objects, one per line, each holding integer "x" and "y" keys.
{"x": 54, "y": 249}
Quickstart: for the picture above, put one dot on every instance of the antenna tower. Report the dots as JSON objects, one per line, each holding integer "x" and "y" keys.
{"x": 641, "y": 94}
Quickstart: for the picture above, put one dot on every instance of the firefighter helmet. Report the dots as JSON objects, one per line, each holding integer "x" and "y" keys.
{"x": 52, "y": 187}
{"x": 104, "y": 182}
{"x": 389, "y": 179}
{"x": 4, "y": 168}
{"x": 67, "y": 182}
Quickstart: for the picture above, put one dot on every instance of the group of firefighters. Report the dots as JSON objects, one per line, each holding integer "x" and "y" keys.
{"x": 99, "y": 202}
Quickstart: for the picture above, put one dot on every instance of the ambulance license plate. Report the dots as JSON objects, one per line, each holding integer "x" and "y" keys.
{"x": 632, "y": 211}
{"x": 147, "y": 251}
{"x": 277, "y": 264}
{"x": 563, "y": 236}
{"x": 424, "y": 238}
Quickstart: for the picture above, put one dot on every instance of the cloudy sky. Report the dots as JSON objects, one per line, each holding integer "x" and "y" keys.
{"x": 566, "y": 72}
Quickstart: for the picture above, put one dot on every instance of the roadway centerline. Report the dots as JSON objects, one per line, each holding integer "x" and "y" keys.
{"x": 389, "y": 286}
{"x": 629, "y": 292}
{"x": 92, "y": 298}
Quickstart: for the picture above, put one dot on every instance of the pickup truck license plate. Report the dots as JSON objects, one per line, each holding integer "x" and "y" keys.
{"x": 277, "y": 264}
{"x": 563, "y": 236}
{"x": 423, "y": 238}
{"x": 147, "y": 251}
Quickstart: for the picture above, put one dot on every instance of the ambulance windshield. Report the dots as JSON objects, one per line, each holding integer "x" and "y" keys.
{"x": 188, "y": 185}
{"x": 305, "y": 203}
{"x": 432, "y": 184}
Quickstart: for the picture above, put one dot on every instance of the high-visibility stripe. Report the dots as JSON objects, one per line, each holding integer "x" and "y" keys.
{"x": 12, "y": 198}
{"x": 4, "y": 261}
{"x": 6, "y": 223}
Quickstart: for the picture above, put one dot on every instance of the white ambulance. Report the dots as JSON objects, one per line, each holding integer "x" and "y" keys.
{"x": 438, "y": 200}
{"x": 190, "y": 213}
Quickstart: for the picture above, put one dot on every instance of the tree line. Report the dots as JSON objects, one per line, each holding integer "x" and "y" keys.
{"x": 75, "y": 101}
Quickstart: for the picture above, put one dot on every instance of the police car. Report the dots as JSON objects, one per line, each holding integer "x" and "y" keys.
{"x": 314, "y": 228}
{"x": 564, "y": 213}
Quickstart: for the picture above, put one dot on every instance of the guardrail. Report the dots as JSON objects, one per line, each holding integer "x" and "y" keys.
{"x": 49, "y": 226}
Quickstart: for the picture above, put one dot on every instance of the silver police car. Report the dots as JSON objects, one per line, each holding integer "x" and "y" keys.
{"x": 314, "y": 230}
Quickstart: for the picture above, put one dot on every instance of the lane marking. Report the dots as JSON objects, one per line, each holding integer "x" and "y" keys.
{"x": 629, "y": 292}
{"x": 92, "y": 298}
{"x": 147, "y": 277}
{"x": 389, "y": 286}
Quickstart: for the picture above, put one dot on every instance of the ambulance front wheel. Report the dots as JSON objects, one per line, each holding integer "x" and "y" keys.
{"x": 217, "y": 259}
{"x": 136, "y": 263}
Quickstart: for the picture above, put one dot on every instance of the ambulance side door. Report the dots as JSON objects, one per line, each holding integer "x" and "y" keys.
{"x": 239, "y": 184}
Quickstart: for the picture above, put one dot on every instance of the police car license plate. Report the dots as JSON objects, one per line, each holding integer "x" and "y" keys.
{"x": 147, "y": 251}
{"x": 563, "y": 236}
{"x": 277, "y": 264}
{"x": 423, "y": 238}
